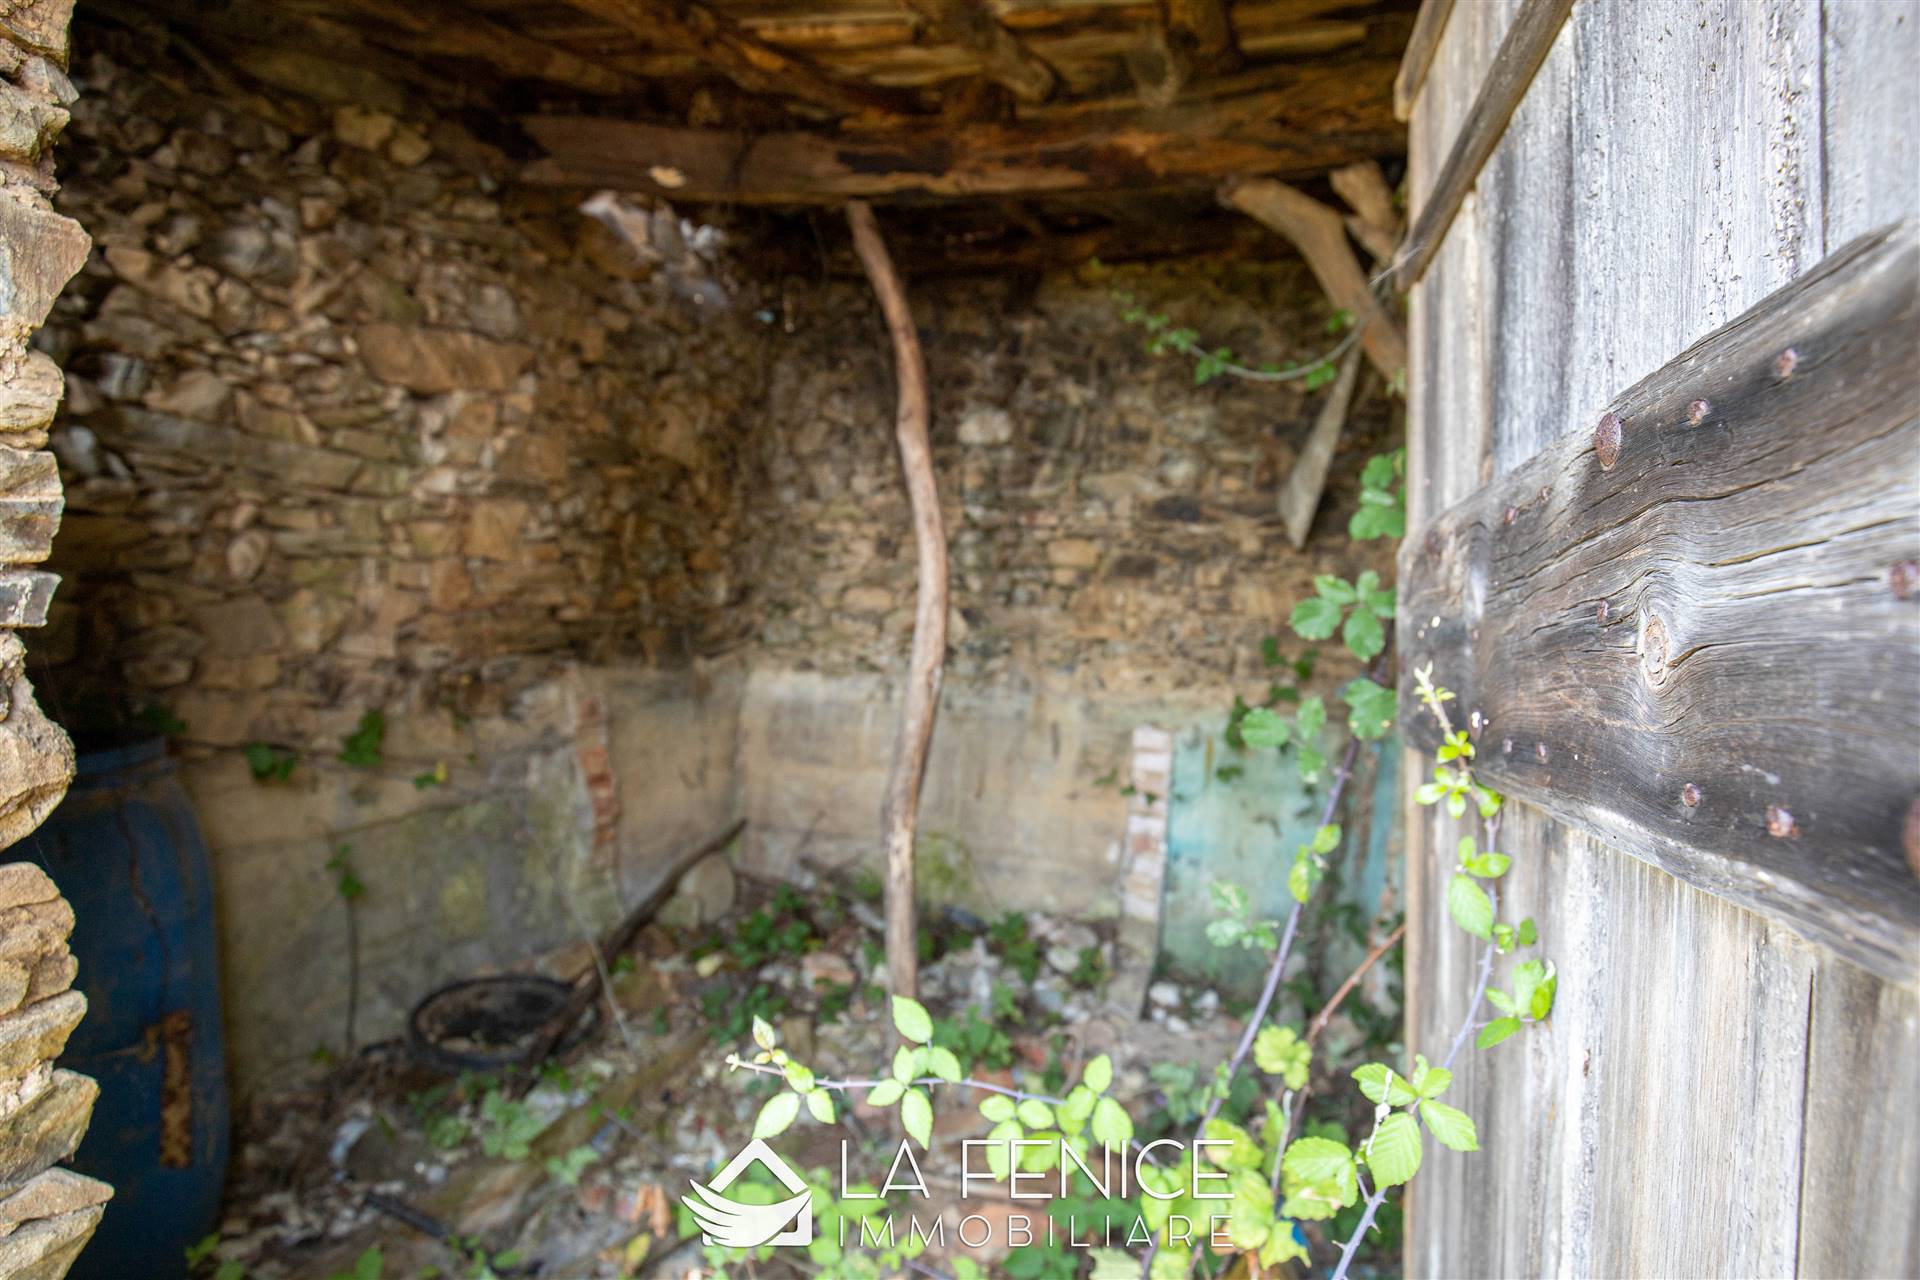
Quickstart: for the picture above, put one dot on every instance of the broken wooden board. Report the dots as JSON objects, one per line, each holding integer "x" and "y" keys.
{"x": 1259, "y": 133}
{"x": 1693, "y": 629}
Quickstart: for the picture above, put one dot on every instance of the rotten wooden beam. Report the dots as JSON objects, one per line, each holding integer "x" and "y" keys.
{"x": 1320, "y": 234}
{"x": 441, "y": 30}
{"x": 1300, "y": 495}
{"x": 1691, "y": 625}
{"x": 1201, "y": 28}
{"x": 750, "y": 63}
{"x": 1003, "y": 56}
{"x": 1421, "y": 46}
{"x": 900, "y": 807}
{"x": 822, "y": 167}
{"x": 1525, "y": 47}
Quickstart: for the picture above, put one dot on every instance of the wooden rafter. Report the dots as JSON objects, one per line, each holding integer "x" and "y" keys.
{"x": 804, "y": 167}
{"x": 1321, "y": 236}
{"x": 439, "y": 29}
{"x": 748, "y": 62}
{"x": 1200, "y": 27}
{"x": 1003, "y": 55}
{"x": 1427, "y": 30}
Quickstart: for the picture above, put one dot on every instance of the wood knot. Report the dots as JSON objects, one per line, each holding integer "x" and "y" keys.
{"x": 1690, "y": 796}
{"x": 1606, "y": 440}
{"x": 1697, "y": 412}
{"x": 1653, "y": 650}
{"x": 1785, "y": 363}
{"x": 1904, "y": 579}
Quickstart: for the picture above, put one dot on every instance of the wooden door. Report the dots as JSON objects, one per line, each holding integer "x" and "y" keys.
{"x": 1726, "y": 1084}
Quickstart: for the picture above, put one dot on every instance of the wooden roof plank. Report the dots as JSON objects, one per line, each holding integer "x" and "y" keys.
{"x": 750, "y": 63}
{"x": 1002, "y": 54}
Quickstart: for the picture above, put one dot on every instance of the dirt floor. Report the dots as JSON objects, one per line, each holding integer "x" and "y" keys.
{"x": 388, "y": 1167}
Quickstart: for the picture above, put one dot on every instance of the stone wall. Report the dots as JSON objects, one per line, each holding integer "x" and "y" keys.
{"x": 353, "y": 426}
{"x": 353, "y": 429}
{"x": 1118, "y": 563}
{"x": 46, "y": 1213}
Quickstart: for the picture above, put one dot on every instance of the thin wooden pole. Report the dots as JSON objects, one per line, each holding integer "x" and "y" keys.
{"x": 900, "y": 809}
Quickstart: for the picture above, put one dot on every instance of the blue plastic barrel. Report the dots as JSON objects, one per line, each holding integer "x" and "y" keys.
{"x": 126, "y": 851}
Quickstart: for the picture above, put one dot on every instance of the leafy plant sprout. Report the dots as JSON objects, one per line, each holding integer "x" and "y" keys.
{"x": 1277, "y": 1179}
{"x": 1164, "y": 336}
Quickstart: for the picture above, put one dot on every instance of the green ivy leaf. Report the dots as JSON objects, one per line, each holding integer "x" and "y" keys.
{"x": 1533, "y": 987}
{"x": 1496, "y": 1031}
{"x": 904, "y": 1065}
{"x": 820, "y": 1105}
{"x": 1382, "y": 1084}
{"x": 1261, "y": 728}
{"x": 942, "y": 1064}
{"x": 911, "y": 1019}
{"x": 777, "y": 1115}
{"x": 1112, "y": 1126}
{"x": 999, "y": 1147}
{"x": 997, "y": 1108}
{"x": 1278, "y": 1052}
{"x": 1488, "y": 866}
{"x": 1310, "y": 717}
{"x": 1336, "y": 591}
{"x": 1315, "y": 618}
{"x": 1077, "y": 1110}
{"x": 1318, "y": 1177}
{"x": 1098, "y": 1074}
{"x": 1470, "y": 907}
{"x": 1528, "y": 934}
{"x": 1363, "y": 633}
{"x": 1394, "y": 1151}
{"x": 886, "y": 1093}
{"x": 1035, "y": 1114}
{"x": 916, "y": 1114}
{"x": 1327, "y": 838}
{"x": 1370, "y": 709}
{"x": 1452, "y": 1126}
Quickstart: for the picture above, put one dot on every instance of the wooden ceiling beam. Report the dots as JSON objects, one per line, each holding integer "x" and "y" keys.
{"x": 437, "y": 29}
{"x": 750, "y": 63}
{"x": 1003, "y": 56}
{"x": 820, "y": 167}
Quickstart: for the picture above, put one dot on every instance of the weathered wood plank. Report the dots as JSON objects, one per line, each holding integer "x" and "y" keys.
{"x": 829, "y": 168}
{"x": 1662, "y": 175}
{"x": 1427, "y": 29}
{"x": 1527, "y": 43}
{"x": 1002, "y": 54}
{"x": 1860, "y": 1168}
{"x": 748, "y": 62}
{"x": 1696, "y": 594}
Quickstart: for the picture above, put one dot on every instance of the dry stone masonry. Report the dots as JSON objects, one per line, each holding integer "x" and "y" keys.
{"x": 46, "y": 1213}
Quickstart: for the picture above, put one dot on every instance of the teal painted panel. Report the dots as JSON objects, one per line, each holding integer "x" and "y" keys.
{"x": 1244, "y": 828}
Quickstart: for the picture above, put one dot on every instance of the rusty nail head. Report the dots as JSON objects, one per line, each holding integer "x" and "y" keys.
{"x": 1606, "y": 440}
{"x": 1785, "y": 363}
{"x": 1511, "y": 513}
{"x": 1780, "y": 823}
{"x": 1540, "y": 749}
{"x": 1697, "y": 412}
{"x": 1690, "y": 796}
{"x": 1904, "y": 578}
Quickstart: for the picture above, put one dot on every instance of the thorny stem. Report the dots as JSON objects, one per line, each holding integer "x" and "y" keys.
{"x": 1258, "y": 1017}
{"x": 1374, "y": 1201}
{"x": 843, "y": 1086}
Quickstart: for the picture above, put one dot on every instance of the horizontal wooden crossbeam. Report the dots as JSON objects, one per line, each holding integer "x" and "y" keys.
{"x": 829, "y": 167}
{"x": 1691, "y": 626}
